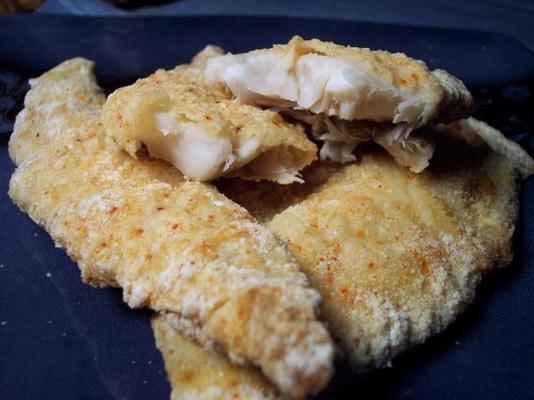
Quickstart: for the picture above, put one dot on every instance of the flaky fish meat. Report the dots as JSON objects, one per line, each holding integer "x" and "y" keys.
{"x": 397, "y": 256}
{"x": 201, "y": 131}
{"x": 325, "y": 85}
{"x": 176, "y": 246}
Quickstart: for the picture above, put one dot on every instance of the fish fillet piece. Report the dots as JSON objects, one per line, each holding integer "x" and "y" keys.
{"x": 176, "y": 246}
{"x": 396, "y": 255}
{"x": 197, "y": 373}
{"x": 202, "y": 131}
{"x": 316, "y": 80}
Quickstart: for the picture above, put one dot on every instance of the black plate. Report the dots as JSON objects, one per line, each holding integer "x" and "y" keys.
{"x": 60, "y": 339}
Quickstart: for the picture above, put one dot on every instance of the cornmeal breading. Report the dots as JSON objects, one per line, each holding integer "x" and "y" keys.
{"x": 199, "y": 374}
{"x": 396, "y": 256}
{"x": 202, "y": 131}
{"x": 176, "y": 246}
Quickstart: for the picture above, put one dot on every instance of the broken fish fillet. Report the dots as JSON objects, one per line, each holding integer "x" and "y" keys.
{"x": 409, "y": 257}
{"x": 348, "y": 82}
{"x": 202, "y": 132}
{"x": 197, "y": 374}
{"x": 176, "y": 246}
{"x": 313, "y": 79}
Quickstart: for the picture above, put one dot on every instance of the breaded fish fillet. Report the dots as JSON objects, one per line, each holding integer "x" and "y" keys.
{"x": 194, "y": 373}
{"x": 202, "y": 131}
{"x": 325, "y": 85}
{"x": 202, "y": 374}
{"x": 396, "y": 256}
{"x": 178, "y": 247}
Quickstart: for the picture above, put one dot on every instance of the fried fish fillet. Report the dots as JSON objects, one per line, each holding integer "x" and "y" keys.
{"x": 326, "y": 85}
{"x": 176, "y": 246}
{"x": 202, "y": 131}
{"x": 396, "y": 256}
{"x": 197, "y": 374}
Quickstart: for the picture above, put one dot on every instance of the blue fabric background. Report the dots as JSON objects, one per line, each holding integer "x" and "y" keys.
{"x": 511, "y": 17}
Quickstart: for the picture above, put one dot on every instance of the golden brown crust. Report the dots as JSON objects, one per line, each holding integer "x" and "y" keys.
{"x": 175, "y": 246}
